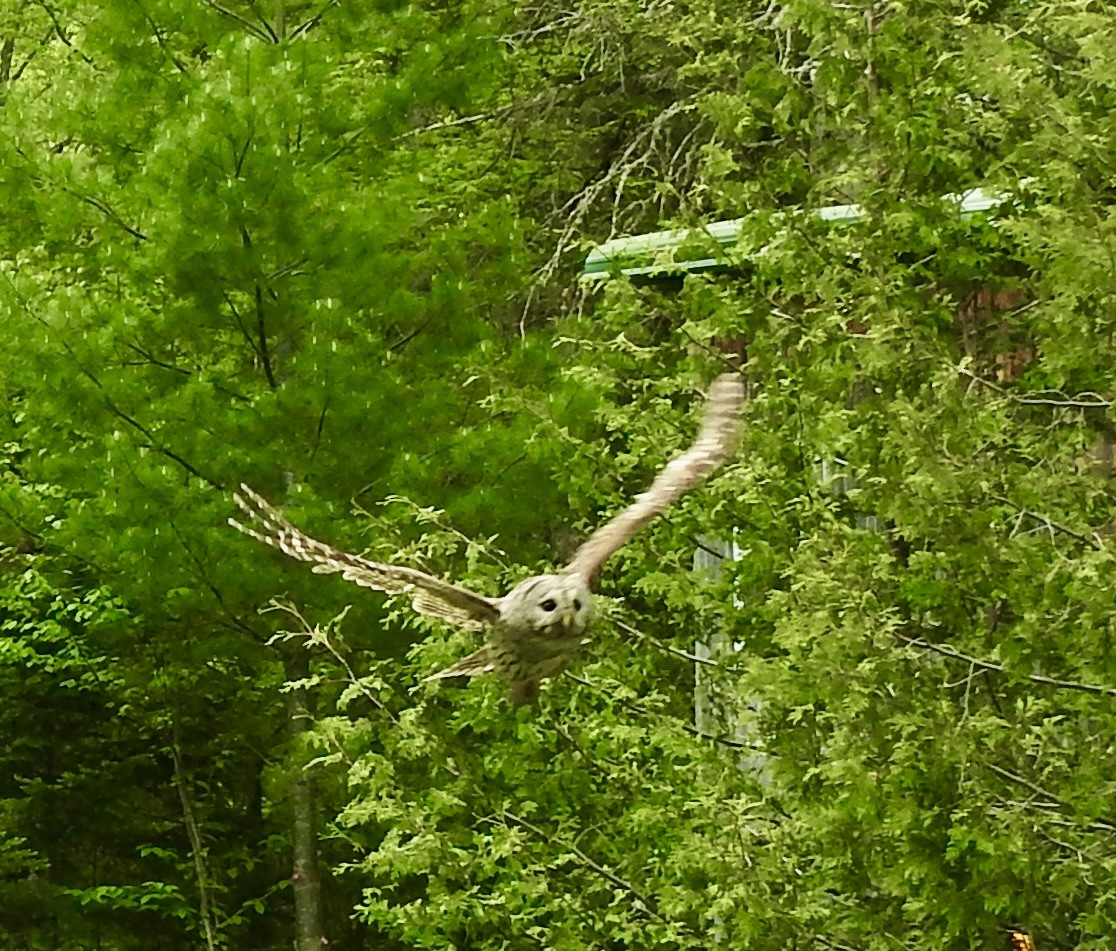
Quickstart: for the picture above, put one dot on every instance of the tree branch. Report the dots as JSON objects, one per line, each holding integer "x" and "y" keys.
{"x": 196, "y": 848}
{"x": 1096, "y": 825}
{"x": 265, "y": 355}
{"x": 59, "y": 32}
{"x": 7, "y": 51}
{"x": 259, "y": 34}
{"x": 151, "y": 360}
{"x": 313, "y": 21}
{"x": 152, "y": 443}
{"x": 1000, "y": 669}
{"x": 643, "y": 711}
{"x": 663, "y": 646}
{"x": 1094, "y": 401}
{"x": 641, "y": 901}
{"x": 30, "y": 56}
{"x": 1094, "y": 542}
{"x": 240, "y": 323}
{"x": 160, "y": 39}
{"x": 111, "y": 215}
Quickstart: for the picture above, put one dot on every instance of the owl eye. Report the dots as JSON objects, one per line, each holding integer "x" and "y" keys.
{"x": 577, "y": 604}
{"x": 549, "y": 604}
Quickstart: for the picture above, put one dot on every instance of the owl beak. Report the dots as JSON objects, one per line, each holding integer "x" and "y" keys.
{"x": 567, "y": 622}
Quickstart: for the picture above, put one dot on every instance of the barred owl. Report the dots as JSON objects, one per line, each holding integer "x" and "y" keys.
{"x": 536, "y": 630}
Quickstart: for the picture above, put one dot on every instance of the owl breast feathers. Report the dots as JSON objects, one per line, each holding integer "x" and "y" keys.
{"x": 536, "y": 630}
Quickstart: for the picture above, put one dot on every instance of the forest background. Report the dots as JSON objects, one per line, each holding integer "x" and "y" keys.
{"x": 332, "y": 250}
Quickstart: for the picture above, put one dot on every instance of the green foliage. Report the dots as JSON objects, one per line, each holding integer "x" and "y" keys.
{"x": 327, "y": 249}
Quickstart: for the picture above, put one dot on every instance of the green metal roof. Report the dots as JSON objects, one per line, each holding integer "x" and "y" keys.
{"x": 648, "y": 255}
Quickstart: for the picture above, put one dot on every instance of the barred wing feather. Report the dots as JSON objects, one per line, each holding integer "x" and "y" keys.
{"x": 429, "y": 595}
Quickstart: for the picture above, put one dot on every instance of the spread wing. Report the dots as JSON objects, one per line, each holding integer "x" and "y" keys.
{"x": 429, "y": 595}
{"x": 720, "y": 427}
{"x": 479, "y": 662}
{"x": 487, "y": 660}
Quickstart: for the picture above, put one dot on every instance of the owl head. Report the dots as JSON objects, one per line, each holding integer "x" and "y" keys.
{"x": 559, "y": 607}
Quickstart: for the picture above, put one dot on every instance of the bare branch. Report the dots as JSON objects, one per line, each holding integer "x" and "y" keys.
{"x": 314, "y": 20}
{"x": 111, "y": 215}
{"x": 1051, "y": 525}
{"x": 665, "y": 647}
{"x": 197, "y": 850}
{"x": 257, "y": 32}
{"x": 451, "y": 123}
{"x": 1000, "y": 669}
{"x": 1095, "y": 825}
{"x": 1086, "y": 400}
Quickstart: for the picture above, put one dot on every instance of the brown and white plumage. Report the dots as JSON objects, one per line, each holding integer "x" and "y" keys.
{"x": 536, "y": 630}
{"x": 714, "y": 443}
{"x": 429, "y": 595}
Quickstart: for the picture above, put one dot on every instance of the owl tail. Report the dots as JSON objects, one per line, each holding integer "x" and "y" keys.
{"x": 477, "y": 663}
{"x": 520, "y": 692}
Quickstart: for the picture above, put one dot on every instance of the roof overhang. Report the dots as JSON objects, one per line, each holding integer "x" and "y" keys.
{"x": 657, "y": 254}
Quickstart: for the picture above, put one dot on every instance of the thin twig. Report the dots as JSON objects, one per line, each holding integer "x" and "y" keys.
{"x": 60, "y": 32}
{"x": 999, "y": 668}
{"x": 27, "y": 61}
{"x": 318, "y": 636}
{"x": 196, "y": 847}
{"x": 643, "y": 711}
{"x": 1095, "y": 401}
{"x": 151, "y": 360}
{"x": 111, "y": 215}
{"x": 161, "y": 40}
{"x": 1094, "y": 542}
{"x": 663, "y": 646}
{"x": 257, "y": 32}
{"x": 152, "y": 443}
{"x": 589, "y": 760}
{"x": 1098, "y": 825}
{"x": 240, "y": 323}
{"x": 641, "y": 901}
{"x": 313, "y": 21}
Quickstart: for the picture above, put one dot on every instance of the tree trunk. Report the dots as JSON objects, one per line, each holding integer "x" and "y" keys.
{"x": 197, "y": 849}
{"x": 305, "y": 876}
{"x": 7, "y": 48}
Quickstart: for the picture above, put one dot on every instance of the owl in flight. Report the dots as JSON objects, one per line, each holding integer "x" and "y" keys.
{"x": 537, "y": 629}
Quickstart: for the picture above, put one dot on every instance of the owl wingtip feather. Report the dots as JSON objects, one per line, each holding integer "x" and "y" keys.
{"x": 251, "y": 533}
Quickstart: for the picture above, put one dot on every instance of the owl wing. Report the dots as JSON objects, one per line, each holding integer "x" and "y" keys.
{"x": 429, "y": 595}
{"x": 719, "y": 429}
{"x": 485, "y": 661}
